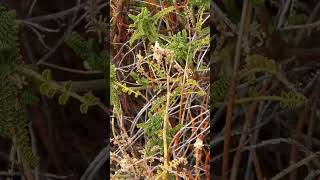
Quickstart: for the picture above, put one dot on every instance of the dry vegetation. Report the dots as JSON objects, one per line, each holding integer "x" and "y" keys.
{"x": 160, "y": 90}
{"x": 199, "y": 89}
{"x": 265, "y": 88}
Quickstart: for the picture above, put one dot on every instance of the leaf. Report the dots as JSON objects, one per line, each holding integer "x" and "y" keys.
{"x": 291, "y": 100}
{"x": 201, "y": 3}
{"x": 46, "y": 74}
{"x": 220, "y": 89}
{"x": 89, "y": 100}
{"x": 63, "y": 98}
{"x": 144, "y": 26}
{"x": 51, "y": 93}
{"x": 44, "y": 88}
{"x": 163, "y": 12}
{"x": 257, "y": 61}
{"x": 84, "y": 108}
{"x": 67, "y": 85}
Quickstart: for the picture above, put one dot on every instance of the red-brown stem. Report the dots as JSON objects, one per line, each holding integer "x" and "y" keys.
{"x": 257, "y": 165}
{"x": 231, "y": 100}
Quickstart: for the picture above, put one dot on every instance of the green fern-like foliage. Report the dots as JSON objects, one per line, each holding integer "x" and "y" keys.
{"x": 28, "y": 97}
{"x": 139, "y": 80}
{"x": 219, "y": 89}
{"x": 179, "y": 43}
{"x": 45, "y": 87}
{"x": 153, "y": 129}
{"x": 64, "y": 97}
{"x": 127, "y": 90}
{"x": 13, "y": 100}
{"x": 291, "y": 100}
{"x": 262, "y": 63}
{"x": 8, "y": 29}
{"x": 8, "y": 39}
{"x": 184, "y": 49}
{"x": 200, "y": 3}
{"x": 89, "y": 100}
{"x": 13, "y": 123}
{"x": 144, "y": 25}
{"x": 86, "y": 50}
{"x": 49, "y": 88}
{"x": 160, "y": 102}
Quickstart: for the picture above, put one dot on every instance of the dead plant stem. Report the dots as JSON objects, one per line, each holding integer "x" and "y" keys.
{"x": 231, "y": 100}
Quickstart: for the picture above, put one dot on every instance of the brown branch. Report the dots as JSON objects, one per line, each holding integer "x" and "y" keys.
{"x": 295, "y": 166}
{"x": 257, "y": 165}
{"x": 246, "y": 126}
{"x": 297, "y": 134}
{"x": 233, "y": 84}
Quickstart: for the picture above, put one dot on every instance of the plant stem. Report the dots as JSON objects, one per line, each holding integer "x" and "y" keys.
{"x": 54, "y": 85}
{"x": 231, "y": 101}
{"x": 254, "y": 99}
{"x": 165, "y": 127}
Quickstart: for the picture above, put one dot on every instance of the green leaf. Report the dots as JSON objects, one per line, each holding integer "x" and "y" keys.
{"x": 46, "y": 74}
{"x": 63, "y": 98}
{"x": 51, "y": 93}
{"x": 84, "y": 108}
{"x": 44, "y": 88}
{"x": 144, "y": 26}
{"x": 201, "y": 3}
{"x": 163, "y": 12}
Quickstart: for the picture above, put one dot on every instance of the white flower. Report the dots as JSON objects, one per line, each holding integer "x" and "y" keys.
{"x": 159, "y": 52}
{"x": 198, "y": 144}
{"x": 139, "y": 57}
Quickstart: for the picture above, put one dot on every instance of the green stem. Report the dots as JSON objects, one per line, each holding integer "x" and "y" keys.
{"x": 55, "y": 85}
{"x": 254, "y": 99}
